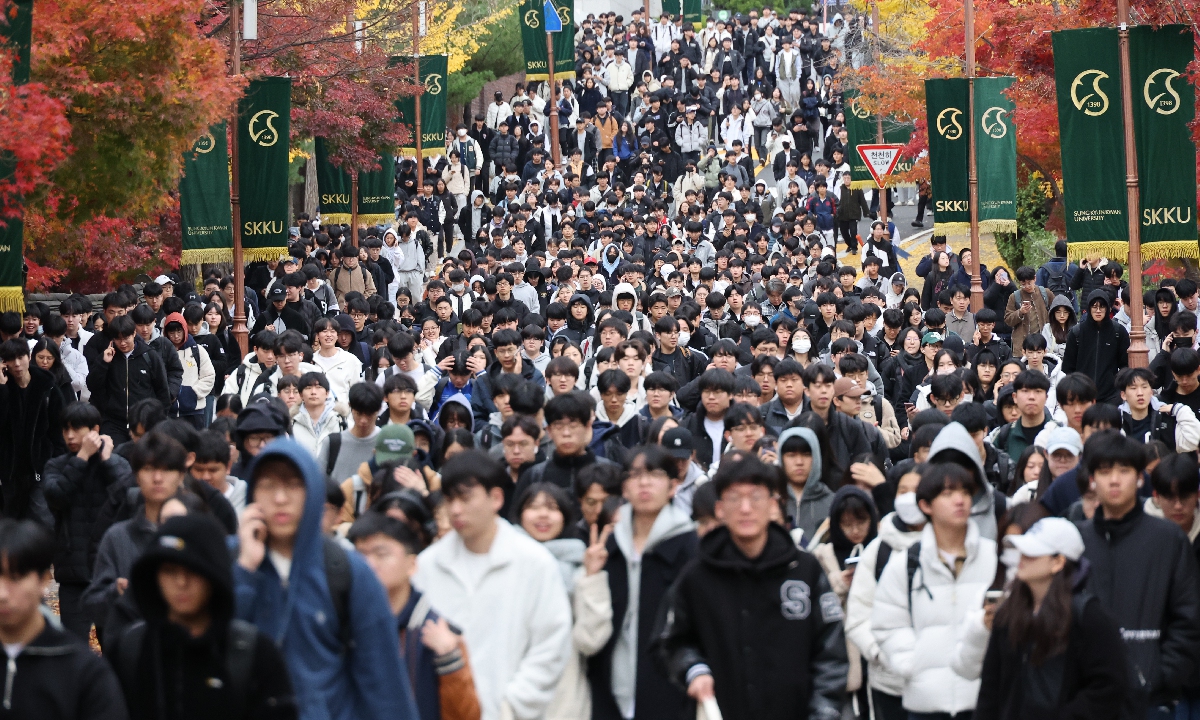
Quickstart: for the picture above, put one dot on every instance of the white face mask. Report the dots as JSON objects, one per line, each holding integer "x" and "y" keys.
{"x": 1011, "y": 557}
{"x": 801, "y": 345}
{"x": 752, "y": 320}
{"x": 462, "y": 133}
{"x": 907, "y": 510}
{"x": 684, "y": 337}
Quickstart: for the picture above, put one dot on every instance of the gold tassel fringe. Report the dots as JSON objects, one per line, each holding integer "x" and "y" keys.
{"x": 264, "y": 253}
{"x": 12, "y": 299}
{"x": 1171, "y": 249}
{"x": 335, "y": 218}
{"x": 950, "y": 229}
{"x": 377, "y": 218}
{"x": 1112, "y": 249}
{"x": 425, "y": 151}
{"x": 998, "y": 226}
{"x": 199, "y": 256}
{"x": 863, "y": 185}
{"x": 568, "y": 75}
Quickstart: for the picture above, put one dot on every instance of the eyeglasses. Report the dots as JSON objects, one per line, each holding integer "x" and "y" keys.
{"x": 756, "y": 498}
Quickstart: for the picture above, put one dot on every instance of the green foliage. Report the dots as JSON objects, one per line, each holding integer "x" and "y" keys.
{"x": 500, "y": 50}
{"x": 465, "y": 86}
{"x": 745, "y": 6}
{"x": 1033, "y": 244}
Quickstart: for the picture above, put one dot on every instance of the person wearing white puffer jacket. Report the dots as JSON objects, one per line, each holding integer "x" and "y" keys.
{"x": 897, "y": 532}
{"x": 928, "y": 616}
{"x": 341, "y": 368}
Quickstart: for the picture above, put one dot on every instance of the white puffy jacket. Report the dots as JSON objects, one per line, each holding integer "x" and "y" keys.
{"x": 861, "y": 601}
{"x": 343, "y": 371}
{"x": 938, "y": 646}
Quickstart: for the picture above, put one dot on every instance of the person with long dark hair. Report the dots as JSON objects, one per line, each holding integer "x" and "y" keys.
{"x": 1054, "y": 651}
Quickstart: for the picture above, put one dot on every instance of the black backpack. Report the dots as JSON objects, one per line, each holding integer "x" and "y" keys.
{"x": 912, "y": 562}
{"x": 1056, "y": 282}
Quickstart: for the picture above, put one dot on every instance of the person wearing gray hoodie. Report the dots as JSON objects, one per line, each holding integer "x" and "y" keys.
{"x": 652, "y": 542}
{"x": 809, "y": 498}
{"x": 954, "y": 444}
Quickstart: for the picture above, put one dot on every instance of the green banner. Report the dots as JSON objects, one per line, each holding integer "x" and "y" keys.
{"x": 691, "y": 11}
{"x": 15, "y": 35}
{"x": 1164, "y": 104}
{"x": 995, "y": 155}
{"x": 433, "y": 106}
{"x": 264, "y": 132}
{"x": 899, "y": 133}
{"x": 1087, "y": 78}
{"x": 533, "y": 40}
{"x": 377, "y": 193}
{"x": 204, "y": 200}
{"x": 949, "y": 151}
{"x": 333, "y": 188}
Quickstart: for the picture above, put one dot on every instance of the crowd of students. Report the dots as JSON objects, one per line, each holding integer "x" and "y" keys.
{"x": 624, "y": 455}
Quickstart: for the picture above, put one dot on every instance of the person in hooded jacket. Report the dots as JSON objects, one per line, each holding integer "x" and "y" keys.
{"x": 30, "y": 432}
{"x": 808, "y": 497}
{"x": 199, "y": 377}
{"x": 651, "y": 544}
{"x": 955, "y": 444}
{"x": 1051, "y": 628}
{"x": 168, "y": 662}
{"x": 752, "y": 622}
{"x": 1098, "y": 347}
{"x": 853, "y": 523}
{"x": 898, "y": 531}
{"x": 581, "y": 320}
{"x": 928, "y": 616}
{"x": 322, "y": 605}
{"x": 51, "y": 674}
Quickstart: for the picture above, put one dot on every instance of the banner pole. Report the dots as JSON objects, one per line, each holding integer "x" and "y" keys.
{"x": 416, "y": 21}
{"x": 883, "y": 212}
{"x": 352, "y": 32}
{"x": 552, "y": 114}
{"x": 972, "y": 165}
{"x": 1139, "y": 354}
{"x": 240, "y": 332}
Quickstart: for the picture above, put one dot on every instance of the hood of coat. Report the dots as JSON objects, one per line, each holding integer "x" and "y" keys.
{"x": 177, "y": 318}
{"x": 718, "y": 550}
{"x": 591, "y": 311}
{"x": 459, "y": 399}
{"x": 1098, "y": 295}
{"x": 845, "y": 497}
{"x": 475, "y": 195}
{"x": 196, "y": 542}
{"x": 896, "y": 534}
{"x": 1062, "y": 301}
{"x": 955, "y": 445}
{"x": 810, "y": 437}
{"x": 624, "y": 289}
{"x": 307, "y": 588}
{"x": 671, "y": 522}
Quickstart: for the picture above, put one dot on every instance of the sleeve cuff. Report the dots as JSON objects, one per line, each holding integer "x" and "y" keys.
{"x": 696, "y": 671}
{"x": 450, "y": 662}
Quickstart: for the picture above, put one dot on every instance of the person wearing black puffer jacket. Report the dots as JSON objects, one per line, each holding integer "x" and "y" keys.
{"x": 1143, "y": 570}
{"x": 123, "y": 371}
{"x": 80, "y": 484}
{"x": 29, "y": 432}
{"x": 752, "y": 621}
{"x": 189, "y": 658}
{"x": 1098, "y": 347}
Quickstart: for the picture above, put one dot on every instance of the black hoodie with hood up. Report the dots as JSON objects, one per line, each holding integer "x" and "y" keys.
{"x": 166, "y": 673}
{"x": 1097, "y": 349}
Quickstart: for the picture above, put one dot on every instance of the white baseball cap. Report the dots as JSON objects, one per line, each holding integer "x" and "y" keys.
{"x": 1049, "y": 536}
{"x": 1064, "y": 438}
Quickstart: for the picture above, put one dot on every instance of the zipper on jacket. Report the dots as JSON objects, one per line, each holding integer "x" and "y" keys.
{"x": 8, "y": 682}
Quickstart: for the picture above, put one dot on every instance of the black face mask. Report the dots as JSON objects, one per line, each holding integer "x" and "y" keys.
{"x": 406, "y": 322}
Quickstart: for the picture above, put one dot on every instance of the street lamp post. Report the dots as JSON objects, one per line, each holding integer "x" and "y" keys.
{"x": 1138, "y": 352}
{"x": 240, "y": 332}
{"x": 972, "y": 165}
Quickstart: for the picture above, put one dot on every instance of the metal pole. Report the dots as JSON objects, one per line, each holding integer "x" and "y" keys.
{"x": 416, "y": 20}
{"x": 240, "y": 332}
{"x": 1138, "y": 352}
{"x": 353, "y": 33}
{"x": 883, "y": 213}
{"x": 972, "y": 167}
{"x": 552, "y": 116}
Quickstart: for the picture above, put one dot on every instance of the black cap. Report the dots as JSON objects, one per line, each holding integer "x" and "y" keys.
{"x": 678, "y": 442}
{"x": 277, "y": 292}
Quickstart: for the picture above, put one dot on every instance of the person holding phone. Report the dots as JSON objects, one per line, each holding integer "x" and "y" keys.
{"x": 1027, "y": 310}
{"x": 1050, "y": 623}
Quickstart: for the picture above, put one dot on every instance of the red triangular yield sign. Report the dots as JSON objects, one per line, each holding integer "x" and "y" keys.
{"x": 880, "y": 160}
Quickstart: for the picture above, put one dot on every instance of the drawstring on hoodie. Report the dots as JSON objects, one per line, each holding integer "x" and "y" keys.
{"x": 8, "y": 682}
